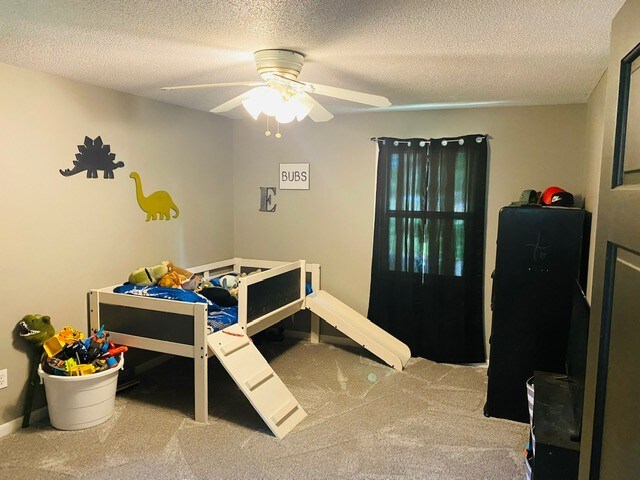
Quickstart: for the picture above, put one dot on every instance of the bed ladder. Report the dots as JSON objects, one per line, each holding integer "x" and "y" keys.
{"x": 261, "y": 385}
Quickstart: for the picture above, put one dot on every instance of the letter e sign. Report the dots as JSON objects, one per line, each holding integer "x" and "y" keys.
{"x": 266, "y": 199}
{"x": 294, "y": 176}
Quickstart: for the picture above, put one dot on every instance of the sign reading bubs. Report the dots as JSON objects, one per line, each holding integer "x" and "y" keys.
{"x": 294, "y": 176}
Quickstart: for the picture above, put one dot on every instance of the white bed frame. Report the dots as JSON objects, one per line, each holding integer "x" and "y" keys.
{"x": 180, "y": 328}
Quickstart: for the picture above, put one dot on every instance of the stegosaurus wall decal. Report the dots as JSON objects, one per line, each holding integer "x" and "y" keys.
{"x": 94, "y": 156}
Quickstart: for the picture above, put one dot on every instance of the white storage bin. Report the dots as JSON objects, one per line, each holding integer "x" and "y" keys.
{"x": 530, "y": 399}
{"x": 530, "y": 402}
{"x": 81, "y": 402}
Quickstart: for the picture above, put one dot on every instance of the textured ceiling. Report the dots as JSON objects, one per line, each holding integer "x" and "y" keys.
{"x": 418, "y": 53}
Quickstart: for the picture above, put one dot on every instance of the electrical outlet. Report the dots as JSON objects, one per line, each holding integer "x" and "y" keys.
{"x": 4, "y": 382}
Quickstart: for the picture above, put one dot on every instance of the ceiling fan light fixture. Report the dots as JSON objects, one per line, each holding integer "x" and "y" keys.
{"x": 252, "y": 105}
{"x": 300, "y": 107}
{"x": 285, "y": 106}
{"x": 285, "y": 115}
{"x": 293, "y": 108}
{"x": 271, "y": 101}
{"x": 261, "y": 100}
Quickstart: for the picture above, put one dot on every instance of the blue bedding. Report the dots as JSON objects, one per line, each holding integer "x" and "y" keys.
{"x": 218, "y": 318}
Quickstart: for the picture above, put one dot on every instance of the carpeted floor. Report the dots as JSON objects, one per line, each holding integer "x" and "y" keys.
{"x": 366, "y": 421}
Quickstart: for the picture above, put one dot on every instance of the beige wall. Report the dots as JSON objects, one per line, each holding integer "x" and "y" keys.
{"x": 62, "y": 236}
{"x": 595, "y": 130}
{"x": 332, "y": 224}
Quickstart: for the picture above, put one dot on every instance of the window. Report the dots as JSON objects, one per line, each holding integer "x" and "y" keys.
{"x": 427, "y": 208}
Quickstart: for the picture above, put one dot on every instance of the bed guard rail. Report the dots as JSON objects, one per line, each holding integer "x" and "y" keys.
{"x": 267, "y": 297}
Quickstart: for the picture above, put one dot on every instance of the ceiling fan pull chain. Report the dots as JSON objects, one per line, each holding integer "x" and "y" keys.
{"x": 267, "y": 132}
{"x": 278, "y": 134}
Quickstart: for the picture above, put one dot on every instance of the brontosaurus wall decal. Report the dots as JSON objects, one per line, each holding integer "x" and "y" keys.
{"x": 158, "y": 203}
{"x": 94, "y": 156}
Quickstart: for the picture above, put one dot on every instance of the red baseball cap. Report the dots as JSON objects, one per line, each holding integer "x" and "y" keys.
{"x": 556, "y": 196}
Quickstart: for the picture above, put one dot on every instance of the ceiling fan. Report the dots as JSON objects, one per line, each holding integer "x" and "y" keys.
{"x": 281, "y": 95}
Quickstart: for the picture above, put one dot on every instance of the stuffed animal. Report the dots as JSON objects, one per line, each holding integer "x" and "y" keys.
{"x": 175, "y": 278}
{"x": 196, "y": 283}
{"x": 232, "y": 282}
{"x": 192, "y": 282}
{"x": 181, "y": 271}
{"x": 172, "y": 280}
{"x": 36, "y": 330}
{"x": 147, "y": 276}
{"x": 228, "y": 281}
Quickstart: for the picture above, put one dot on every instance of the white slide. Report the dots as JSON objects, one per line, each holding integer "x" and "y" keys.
{"x": 257, "y": 380}
{"x": 359, "y": 328}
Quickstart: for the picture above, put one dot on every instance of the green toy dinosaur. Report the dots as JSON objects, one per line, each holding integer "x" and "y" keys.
{"x": 35, "y": 329}
{"x": 149, "y": 275}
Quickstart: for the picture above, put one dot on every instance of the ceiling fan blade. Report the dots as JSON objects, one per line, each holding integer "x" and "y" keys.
{"x": 233, "y": 103}
{"x": 335, "y": 92}
{"x": 350, "y": 95}
{"x": 318, "y": 113}
{"x": 215, "y": 85}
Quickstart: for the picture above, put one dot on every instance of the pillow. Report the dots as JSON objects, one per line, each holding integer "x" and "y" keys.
{"x": 228, "y": 281}
{"x": 220, "y": 296}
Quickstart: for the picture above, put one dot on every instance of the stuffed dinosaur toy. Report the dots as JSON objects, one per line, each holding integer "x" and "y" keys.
{"x": 147, "y": 276}
{"x": 35, "y": 330}
{"x": 166, "y": 275}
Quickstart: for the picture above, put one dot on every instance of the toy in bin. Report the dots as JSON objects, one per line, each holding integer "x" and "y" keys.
{"x": 70, "y": 354}
{"x": 81, "y": 379}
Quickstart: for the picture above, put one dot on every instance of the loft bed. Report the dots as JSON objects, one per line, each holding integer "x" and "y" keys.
{"x": 264, "y": 299}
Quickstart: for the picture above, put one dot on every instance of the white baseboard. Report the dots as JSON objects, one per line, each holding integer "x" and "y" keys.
{"x": 335, "y": 340}
{"x": 16, "y": 424}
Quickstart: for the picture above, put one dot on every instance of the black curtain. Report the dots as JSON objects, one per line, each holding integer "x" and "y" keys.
{"x": 428, "y": 246}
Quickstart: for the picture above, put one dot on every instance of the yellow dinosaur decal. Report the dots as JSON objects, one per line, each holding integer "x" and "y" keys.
{"x": 158, "y": 203}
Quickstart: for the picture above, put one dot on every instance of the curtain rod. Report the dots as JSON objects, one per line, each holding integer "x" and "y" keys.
{"x": 422, "y": 143}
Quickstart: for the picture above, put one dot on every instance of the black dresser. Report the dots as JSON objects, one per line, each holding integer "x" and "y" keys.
{"x": 541, "y": 251}
{"x": 558, "y": 404}
{"x": 556, "y": 427}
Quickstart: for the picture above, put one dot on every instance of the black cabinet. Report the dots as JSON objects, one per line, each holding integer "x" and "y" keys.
{"x": 541, "y": 251}
{"x": 556, "y": 427}
{"x": 558, "y": 403}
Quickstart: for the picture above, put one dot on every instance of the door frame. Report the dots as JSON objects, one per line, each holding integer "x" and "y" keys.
{"x": 617, "y": 231}
{"x": 603, "y": 361}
